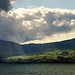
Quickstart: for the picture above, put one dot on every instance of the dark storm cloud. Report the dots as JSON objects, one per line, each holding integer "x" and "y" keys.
{"x": 5, "y": 5}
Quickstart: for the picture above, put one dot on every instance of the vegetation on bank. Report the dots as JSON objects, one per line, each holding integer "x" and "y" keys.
{"x": 47, "y": 57}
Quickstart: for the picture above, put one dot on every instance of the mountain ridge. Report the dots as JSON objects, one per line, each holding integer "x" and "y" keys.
{"x": 63, "y": 45}
{"x": 8, "y": 48}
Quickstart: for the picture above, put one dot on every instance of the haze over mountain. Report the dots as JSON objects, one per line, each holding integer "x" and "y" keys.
{"x": 8, "y": 49}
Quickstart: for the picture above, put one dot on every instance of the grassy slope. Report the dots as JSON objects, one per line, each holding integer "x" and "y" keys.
{"x": 56, "y": 56}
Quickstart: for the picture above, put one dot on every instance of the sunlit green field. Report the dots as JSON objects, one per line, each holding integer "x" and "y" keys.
{"x": 56, "y": 56}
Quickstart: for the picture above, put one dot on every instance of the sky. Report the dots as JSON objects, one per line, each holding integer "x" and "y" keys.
{"x": 37, "y": 21}
{"x": 65, "y": 4}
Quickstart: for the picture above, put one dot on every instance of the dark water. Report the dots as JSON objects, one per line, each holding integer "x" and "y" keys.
{"x": 37, "y": 69}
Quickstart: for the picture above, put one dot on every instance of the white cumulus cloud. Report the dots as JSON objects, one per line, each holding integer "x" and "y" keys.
{"x": 36, "y": 24}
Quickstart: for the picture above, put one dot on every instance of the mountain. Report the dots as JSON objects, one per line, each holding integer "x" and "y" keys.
{"x": 8, "y": 49}
{"x": 39, "y": 48}
{"x": 63, "y": 51}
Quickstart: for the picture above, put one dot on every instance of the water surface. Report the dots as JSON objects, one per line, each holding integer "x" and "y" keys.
{"x": 37, "y": 69}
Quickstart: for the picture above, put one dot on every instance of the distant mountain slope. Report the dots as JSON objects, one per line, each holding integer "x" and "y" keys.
{"x": 35, "y": 48}
{"x": 8, "y": 49}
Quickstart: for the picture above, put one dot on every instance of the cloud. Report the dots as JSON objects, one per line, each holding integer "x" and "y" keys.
{"x": 6, "y": 5}
{"x": 13, "y": 1}
{"x": 39, "y": 24}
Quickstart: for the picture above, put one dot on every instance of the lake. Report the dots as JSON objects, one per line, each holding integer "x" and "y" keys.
{"x": 37, "y": 69}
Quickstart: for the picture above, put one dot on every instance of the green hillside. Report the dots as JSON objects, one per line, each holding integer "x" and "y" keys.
{"x": 47, "y": 57}
{"x": 63, "y": 51}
